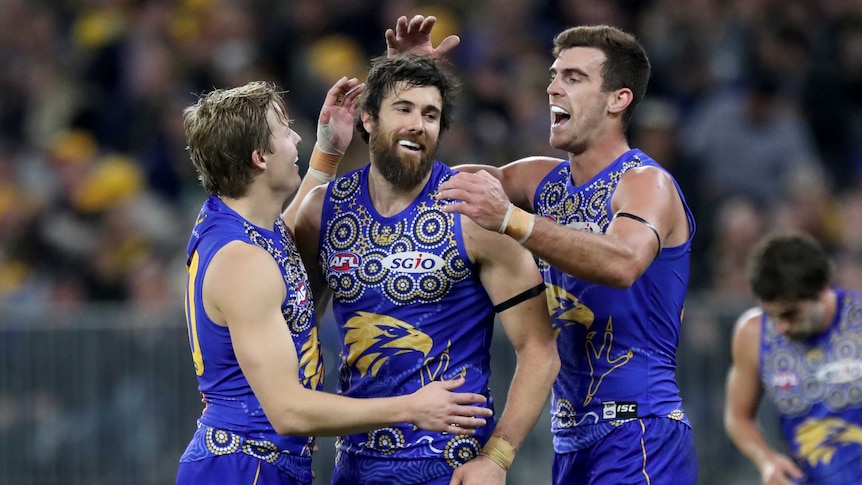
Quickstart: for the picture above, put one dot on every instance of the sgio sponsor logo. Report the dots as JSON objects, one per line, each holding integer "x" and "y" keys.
{"x": 619, "y": 410}
{"x": 840, "y": 372}
{"x": 413, "y": 262}
{"x": 343, "y": 262}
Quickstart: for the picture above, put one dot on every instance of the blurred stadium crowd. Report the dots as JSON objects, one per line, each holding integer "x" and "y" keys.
{"x": 754, "y": 105}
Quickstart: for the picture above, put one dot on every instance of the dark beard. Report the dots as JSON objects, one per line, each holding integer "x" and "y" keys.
{"x": 402, "y": 175}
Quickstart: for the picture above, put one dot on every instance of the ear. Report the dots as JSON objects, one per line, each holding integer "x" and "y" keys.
{"x": 367, "y": 121}
{"x": 258, "y": 160}
{"x": 619, "y": 100}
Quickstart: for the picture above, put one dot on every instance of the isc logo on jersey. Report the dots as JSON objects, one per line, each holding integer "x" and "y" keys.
{"x": 343, "y": 262}
{"x": 413, "y": 262}
{"x": 619, "y": 409}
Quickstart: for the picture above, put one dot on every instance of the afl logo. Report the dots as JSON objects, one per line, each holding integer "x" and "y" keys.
{"x": 413, "y": 262}
{"x": 302, "y": 296}
{"x": 344, "y": 262}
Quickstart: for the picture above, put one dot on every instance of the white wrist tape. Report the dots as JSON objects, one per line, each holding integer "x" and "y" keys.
{"x": 324, "y": 140}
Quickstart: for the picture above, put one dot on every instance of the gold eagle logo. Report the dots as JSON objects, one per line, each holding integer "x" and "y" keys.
{"x": 819, "y": 439}
{"x": 566, "y": 310}
{"x": 371, "y": 339}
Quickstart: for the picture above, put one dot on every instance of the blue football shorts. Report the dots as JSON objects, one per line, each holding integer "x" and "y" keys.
{"x": 642, "y": 451}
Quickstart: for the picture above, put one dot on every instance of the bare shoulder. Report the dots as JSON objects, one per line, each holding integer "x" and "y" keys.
{"x": 522, "y": 177}
{"x": 308, "y": 217}
{"x": 239, "y": 277}
{"x": 315, "y": 198}
{"x": 748, "y": 324}
{"x": 238, "y": 260}
{"x": 746, "y": 333}
{"x": 648, "y": 174}
{"x": 532, "y": 167}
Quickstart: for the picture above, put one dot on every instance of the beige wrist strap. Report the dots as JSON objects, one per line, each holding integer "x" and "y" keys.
{"x": 518, "y": 224}
{"x": 500, "y": 451}
{"x": 322, "y": 162}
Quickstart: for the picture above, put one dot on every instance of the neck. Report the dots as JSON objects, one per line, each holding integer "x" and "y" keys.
{"x": 387, "y": 199}
{"x": 588, "y": 162}
{"x": 261, "y": 210}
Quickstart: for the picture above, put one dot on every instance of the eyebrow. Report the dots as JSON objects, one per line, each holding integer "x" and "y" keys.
{"x": 404, "y": 102}
{"x": 567, "y": 71}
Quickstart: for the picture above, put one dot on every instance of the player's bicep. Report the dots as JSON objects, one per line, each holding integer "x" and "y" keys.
{"x": 246, "y": 286}
{"x": 513, "y": 282}
{"x": 644, "y": 212}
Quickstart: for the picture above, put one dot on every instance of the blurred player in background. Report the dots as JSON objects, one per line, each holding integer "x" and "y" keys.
{"x": 803, "y": 346}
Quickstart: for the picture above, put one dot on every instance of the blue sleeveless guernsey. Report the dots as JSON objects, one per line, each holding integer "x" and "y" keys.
{"x": 617, "y": 346}
{"x": 410, "y": 310}
{"x": 233, "y": 420}
{"x": 816, "y": 386}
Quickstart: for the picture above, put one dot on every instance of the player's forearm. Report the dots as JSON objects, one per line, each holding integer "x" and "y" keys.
{"x": 528, "y": 392}
{"x": 314, "y": 413}
{"x": 588, "y": 256}
{"x": 747, "y": 437}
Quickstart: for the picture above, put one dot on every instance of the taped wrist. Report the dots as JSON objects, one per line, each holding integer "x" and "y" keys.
{"x": 500, "y": 451}
{"x": 518, "y": 224}
{"x": 323, "y": 163}
{"x": 324, "y": 140}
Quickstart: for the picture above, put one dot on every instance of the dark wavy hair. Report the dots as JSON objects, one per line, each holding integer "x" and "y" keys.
{"x": 413, "y": 70}
{"x": 788, "y": 267}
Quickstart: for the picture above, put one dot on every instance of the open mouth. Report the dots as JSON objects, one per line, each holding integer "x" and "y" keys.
{"x": 409, "y": 145}
{"x": 559, "y": 116}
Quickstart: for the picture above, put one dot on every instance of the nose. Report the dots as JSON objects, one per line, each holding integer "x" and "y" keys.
{"x": 554, "y": 88}
{"x": 416, "y": 124}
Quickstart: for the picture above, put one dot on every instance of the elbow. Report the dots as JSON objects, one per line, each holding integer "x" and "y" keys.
{"x": 288, "y": 429}
{"x": 290, "y": 425}
{"x": 621, "y": 273}
{"x": 553, "y": 363}
{"x": 730, "y": 424}
{"x": 622, "y": 278}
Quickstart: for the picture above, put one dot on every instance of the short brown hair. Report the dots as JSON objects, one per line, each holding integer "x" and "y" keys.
{"x": 224, "y": 128}
{"x": 788, "y": 267}
{"x": 626, "y": 63}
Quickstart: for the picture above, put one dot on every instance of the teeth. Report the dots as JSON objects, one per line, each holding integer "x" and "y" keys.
{"x": 559, "y": 111}
{"x": 409, "y": 144}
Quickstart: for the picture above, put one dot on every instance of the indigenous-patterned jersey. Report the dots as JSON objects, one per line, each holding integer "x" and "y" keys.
{"x": 816, "y": 386}
{"x": 410, "y": 310}
{"x": 233, "y": 419}
{"x": 617, "y": 346}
